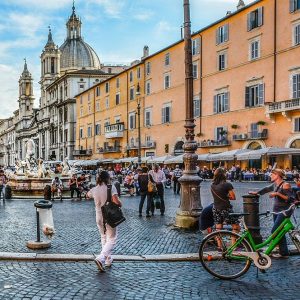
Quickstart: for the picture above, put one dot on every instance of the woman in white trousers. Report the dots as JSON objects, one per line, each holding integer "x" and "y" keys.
{"x": 108, "y": 237}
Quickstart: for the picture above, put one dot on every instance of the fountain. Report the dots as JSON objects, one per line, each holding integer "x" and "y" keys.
{"x": 31, "y": 175}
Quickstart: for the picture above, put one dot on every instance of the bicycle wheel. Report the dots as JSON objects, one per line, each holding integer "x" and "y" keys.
{"x": 215, "y": 259}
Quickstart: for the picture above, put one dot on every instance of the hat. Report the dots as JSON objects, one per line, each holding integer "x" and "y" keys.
{"x": 278, "y": 172}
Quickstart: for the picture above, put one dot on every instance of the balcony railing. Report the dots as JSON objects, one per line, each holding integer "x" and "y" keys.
{"x": 86, "y": 152}
{"x": 287, "y": 105}
{"x": 114, "y": 130}
{"x": 149, "y": 144}
{"x": 251, "y": 136}
{"x": 212, "y": 143}
{"x": 109, "y": 149}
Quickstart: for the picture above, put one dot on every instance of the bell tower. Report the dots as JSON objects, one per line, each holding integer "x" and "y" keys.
{"x": 26, "y": 98}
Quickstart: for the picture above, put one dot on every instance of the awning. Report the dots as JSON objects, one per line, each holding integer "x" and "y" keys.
{"x": 257, "y": 154}
{"x": 227, "y": 155}
{"x": 175, "y": 160}
{"x": 160, "y": 159}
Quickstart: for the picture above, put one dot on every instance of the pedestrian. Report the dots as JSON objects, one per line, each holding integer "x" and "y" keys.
{"x": 108, "y": 236}
{"x": 232, "y": 173}
{"x": 159, "y": 178}
{"x": 74, "y": 186}
{"x": 56, "y": 186}
{"x": 3, "y": 181}
{"x": 129, "y": 183}
{"x": 143, "y": 180}
{"x": 177, "y": 173}
{"x": 282, "y": 194}
{"x": 222, "y": 192}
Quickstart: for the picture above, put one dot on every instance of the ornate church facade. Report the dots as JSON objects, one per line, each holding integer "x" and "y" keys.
{"x": 65, "y": 72}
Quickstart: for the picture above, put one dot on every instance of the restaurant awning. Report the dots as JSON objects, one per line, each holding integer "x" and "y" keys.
{"x": 160, "y": 159}
{"x": 227, "y": 155}
{"x": 257, "y": 154}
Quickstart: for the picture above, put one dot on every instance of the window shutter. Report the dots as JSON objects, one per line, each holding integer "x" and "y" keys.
{"x": 217, "y": 36}
{"x": 247, "y": 97}
{"x": 215, "y": 104}
{"x": 197, "y": 45}
{"x": 168, "y": 114}
{"x": 226, "y": 27}
{"x": 216, "y": 133}
{"x": 260, "y": 16}
{"x": 261, "y": 94}
{"x": 292, "y": 6}
{"x": 249, "y": 22}
{"x": 163, "y": 115}
{"x": 226, "y": 101}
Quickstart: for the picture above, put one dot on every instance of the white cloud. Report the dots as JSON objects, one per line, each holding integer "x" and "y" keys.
{"x": 44, "y": 5}
{"x": 143, "y": 16}
{"x": 113, "y": 8}
{"x": 163, "y": 27}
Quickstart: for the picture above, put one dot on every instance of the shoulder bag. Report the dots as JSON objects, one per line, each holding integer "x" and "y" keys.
{"x": 112, "y": 213}
{"x": 151, "y": 186}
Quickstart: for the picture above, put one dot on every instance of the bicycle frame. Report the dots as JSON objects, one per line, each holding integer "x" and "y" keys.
{"x": 272, "y": 240}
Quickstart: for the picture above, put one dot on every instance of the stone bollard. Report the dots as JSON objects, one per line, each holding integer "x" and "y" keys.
{"x": 251, "y": 206}
{"x": 7, "y": 193}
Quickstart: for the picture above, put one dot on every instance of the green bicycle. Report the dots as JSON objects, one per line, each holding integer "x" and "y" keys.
{"x": 228, "y": 255}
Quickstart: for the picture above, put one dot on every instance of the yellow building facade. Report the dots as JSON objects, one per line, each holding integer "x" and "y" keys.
{"x": 246, "y": 70}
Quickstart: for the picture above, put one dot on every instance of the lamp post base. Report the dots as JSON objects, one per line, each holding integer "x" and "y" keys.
{"x": 186, "y": 221}
{"x": 38, "y": 245}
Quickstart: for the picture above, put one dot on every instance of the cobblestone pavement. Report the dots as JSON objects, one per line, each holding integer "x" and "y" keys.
{"x": 136, "y": 280}
{"x": 76, "y": 231}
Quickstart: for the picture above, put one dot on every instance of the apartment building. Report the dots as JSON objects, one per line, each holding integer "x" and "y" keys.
{"x": 246, "y": 72}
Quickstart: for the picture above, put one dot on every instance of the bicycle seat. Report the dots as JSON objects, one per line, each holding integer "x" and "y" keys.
{"x": 236, "y": 214}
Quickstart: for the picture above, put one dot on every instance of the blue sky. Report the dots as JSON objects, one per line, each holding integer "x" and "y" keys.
{"x": 116, "y": 29}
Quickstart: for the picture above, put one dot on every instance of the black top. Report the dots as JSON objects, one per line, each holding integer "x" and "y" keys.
{"x": 143, "y": 182}
{"x": 220, "y": 194}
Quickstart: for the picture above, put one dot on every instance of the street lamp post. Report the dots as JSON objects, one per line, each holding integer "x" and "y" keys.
{"x": 190, "y": 202}
{"x": 139, "y": 123}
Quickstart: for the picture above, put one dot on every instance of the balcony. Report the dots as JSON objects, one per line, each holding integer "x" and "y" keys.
{"x": 283, "y": 107}
{"x": 114, "y": 130}
{"x": 109, "y": 149}
{"x": 251, "y": 136}
{"x": 147, "y": 145}
{"x": 87, "y": 152}
{"x": 212, "y": 143}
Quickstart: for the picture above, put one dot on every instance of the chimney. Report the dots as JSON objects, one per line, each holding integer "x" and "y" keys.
{"x": 240, "y": 5}
{"x": 145, "y": 52}
{"x": 228, "y": 13}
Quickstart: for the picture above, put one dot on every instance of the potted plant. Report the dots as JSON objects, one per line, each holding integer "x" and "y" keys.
{"x": 234, "y": 126}
{"x": 261, "y": 123}
{"x": 199, "y": 134}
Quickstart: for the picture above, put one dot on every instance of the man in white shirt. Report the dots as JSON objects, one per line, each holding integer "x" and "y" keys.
{"x": 159, "y": 177}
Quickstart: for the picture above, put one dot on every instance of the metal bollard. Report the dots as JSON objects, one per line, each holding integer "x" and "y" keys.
{"x": 251, "y": 206}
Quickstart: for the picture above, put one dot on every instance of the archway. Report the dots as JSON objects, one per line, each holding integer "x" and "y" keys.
{"x": 178, "y": 149}
{"x": 255, "y": 163}
{"x": 294, "y": 142}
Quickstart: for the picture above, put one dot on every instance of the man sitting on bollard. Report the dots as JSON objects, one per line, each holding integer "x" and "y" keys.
{"x": 56, "y": 186}
{"x": 282, "y": 194}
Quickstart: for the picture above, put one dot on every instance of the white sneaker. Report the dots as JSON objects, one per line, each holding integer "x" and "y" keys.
{"x": 108, "y": 262}
{"x": 100, "y": 265}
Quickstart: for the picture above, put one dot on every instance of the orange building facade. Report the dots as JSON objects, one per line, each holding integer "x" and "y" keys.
{"x": 246, "y": 70}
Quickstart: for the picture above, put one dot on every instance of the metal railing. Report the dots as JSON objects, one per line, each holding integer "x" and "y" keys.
{"x": 213, "y": 143}
{"x": 86, "y": 152}
{"x": 255, "y": 135}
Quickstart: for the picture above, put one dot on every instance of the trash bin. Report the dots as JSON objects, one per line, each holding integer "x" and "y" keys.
{"x": 251, "y": 206}
{"x": 44, "y": 221}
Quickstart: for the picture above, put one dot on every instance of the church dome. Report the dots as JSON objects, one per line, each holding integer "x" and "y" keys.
{"x": 75, "y": 53}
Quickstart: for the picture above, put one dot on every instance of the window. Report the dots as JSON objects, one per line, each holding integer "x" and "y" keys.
{"x": 117, "y": 99}
{"x": 98, "y": 106}
{"x": 148, "y": 87}
{"x": 222, "y": 58}
{"x": 196, "y": 46}
{"x": 166, "y": 114}
{"x": 148, "y": 68}
{"x": 296, "y": 86}
{"x": 294, "y": 5}
{"x": 106, "y": 122}
{"x": 107, "y": 87}
{"x": 255, "y": 19}
{"x": 253, "y": 130}
{"x": 195, "y": 70}
{"x": 131, "y": 93}
{"x": 66, "y": 114}
{"x": 130, "y": 76}
{"x": 106, "y": 102}
{"x": 220, "y": 134}
{"x": 97, "y": 129}
{"x": 81, "y": 112}
{"x": 221, "y": 103}
{"x": 132, "y": 120}
{"x": 89, "y": 131}
{"x": 80, "y": 99}
{"x": 254, "y": 49}
{"x": 196, "y": 107}
{"x": 97, "y": 91}
{"x": 222, "y": 34}
{"x": 167, "y": 59}
{"x": 254, "y": 95}
{"x": 167, "y": 81}
{"x": 80, "y": 133}
{"x": 296, "y": 35}
{"x": 89, "y": 109}
{"x": 297, "y": 125}
{"x": 138, "y": 72}
{"x": 148, "y": 117}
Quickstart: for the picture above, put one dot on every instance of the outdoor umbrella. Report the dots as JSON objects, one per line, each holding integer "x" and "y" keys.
{"x": 175, "y": 160}
{"x": 257, "y": 154}
{"x": 160, "y": 159}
